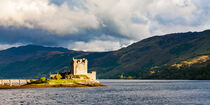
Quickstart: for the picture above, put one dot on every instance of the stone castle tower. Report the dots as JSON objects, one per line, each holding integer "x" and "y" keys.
{"x": 79, "y": 66}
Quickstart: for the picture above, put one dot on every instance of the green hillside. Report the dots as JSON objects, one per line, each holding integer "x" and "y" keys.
{"x": 157, "y": 51}
{"x": 194, "y": 69}
{"x": 132, "y": 61}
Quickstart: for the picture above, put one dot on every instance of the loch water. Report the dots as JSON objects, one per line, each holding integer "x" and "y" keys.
{"x": 121, "y": 92}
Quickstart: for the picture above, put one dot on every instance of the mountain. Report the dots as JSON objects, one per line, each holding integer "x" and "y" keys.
{"x": 132, "y": 61}
{"x": 33, "y": 61}
{"x": 25, "y": 52}
{"x": 160, "y": 50}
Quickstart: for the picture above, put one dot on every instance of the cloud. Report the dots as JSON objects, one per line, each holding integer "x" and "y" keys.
{"x": 6, "y": 46}
{"x": 100, "y": 44}
{"x": 98, "y": 25}
{"x": 96, "y": 45}
{"x": 45, "y": 15}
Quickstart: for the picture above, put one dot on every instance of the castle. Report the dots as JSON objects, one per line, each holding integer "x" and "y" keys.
{"x": 79, "y": 67}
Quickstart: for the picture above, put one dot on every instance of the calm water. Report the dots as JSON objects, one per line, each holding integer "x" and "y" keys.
{"x": 128, "y": 92}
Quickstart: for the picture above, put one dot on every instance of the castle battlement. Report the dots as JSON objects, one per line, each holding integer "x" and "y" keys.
{"x": 79, "y": 60}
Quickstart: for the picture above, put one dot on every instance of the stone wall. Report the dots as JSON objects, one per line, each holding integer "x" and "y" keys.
{"x": 52, "y": 75}
{"x": 92, "y": 75}
{"x": 14, "y": 81}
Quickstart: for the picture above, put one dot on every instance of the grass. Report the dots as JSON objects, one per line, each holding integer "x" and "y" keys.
{"x": 68, "y": 81}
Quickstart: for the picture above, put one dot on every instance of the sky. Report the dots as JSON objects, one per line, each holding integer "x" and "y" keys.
{"x": 97, "y": 25}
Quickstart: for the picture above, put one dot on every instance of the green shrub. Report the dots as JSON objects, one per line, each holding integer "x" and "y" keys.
{"x": 32, "y": 81}
{"x": 43, "y": 79}
{"x": 70, "y": 76}
{"x": 67, "y": 77}
{"x": 130, "y": 77}
{"x": 122, "y": 76}
{"x": 81, "y": 76}
{"x": 58, "y": 76}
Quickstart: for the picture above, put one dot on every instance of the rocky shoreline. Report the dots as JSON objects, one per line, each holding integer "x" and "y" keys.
{"x": 30, "y": 86}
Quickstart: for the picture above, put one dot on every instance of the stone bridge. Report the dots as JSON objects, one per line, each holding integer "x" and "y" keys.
{"x": 13, "y": 81}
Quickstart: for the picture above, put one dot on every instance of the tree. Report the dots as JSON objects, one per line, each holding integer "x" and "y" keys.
{"x": 67, "y": 76}
{"x": 121, "y": 76}
{"x": 130, "y": 77}
{"x": 43, "y": 79}
{"x": 58, "y": 76}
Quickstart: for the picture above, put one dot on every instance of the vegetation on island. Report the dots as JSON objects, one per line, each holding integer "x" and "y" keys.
{"x": 69, "y": 79}
{"x": 29, "y": 86}
{"x": 57, "y": 82}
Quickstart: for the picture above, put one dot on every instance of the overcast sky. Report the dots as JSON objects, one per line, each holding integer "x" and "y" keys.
{"x": 97, "y": 25}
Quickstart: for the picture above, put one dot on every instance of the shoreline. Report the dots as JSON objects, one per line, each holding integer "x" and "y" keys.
{"x": 32, "y": 86}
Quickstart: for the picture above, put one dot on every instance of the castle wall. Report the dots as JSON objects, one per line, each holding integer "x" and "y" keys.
{"x": 92, "y": 75}
{"x": 52, "y": 75}
{"x": 14, "y": 81}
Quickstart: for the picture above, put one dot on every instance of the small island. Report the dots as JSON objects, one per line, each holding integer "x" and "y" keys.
{"x": 78, "y": 76}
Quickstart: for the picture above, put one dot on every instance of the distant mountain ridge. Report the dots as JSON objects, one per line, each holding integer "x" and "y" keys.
{"x": 25, "y": 52}
{"x": 132, "y": 61}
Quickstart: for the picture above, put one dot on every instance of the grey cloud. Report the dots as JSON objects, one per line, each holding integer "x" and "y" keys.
{"x": 20, "y": 36}
{"x": 94, "y": 24}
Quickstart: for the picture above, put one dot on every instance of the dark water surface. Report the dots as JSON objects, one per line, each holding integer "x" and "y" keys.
{"x": 122, "y": 92}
